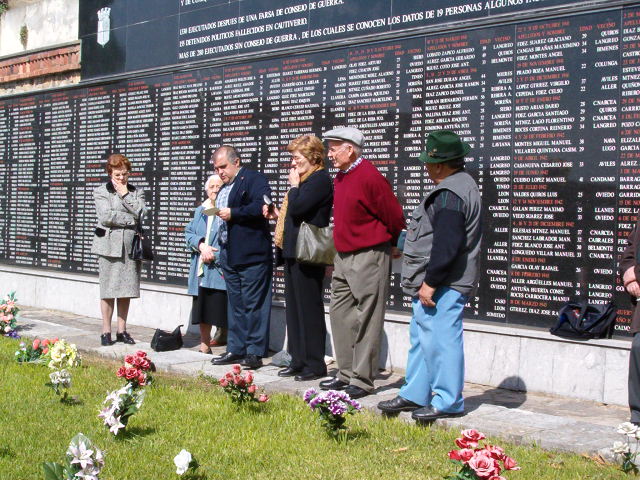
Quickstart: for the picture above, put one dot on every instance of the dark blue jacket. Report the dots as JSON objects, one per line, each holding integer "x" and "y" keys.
{"x": 249, "y": 240}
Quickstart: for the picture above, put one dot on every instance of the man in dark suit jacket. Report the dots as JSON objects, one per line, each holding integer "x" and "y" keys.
{"x": 245, "y": 258}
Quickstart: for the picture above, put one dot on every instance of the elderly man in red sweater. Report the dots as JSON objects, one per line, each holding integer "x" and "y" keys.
{"x": 368, "y": 220}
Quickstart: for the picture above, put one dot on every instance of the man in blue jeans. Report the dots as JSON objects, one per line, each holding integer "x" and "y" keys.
{"x": 440, "y": 271}
{"x": 245, "y": 257}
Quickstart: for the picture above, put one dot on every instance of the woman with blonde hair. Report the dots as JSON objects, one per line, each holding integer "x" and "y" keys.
{"x": 308, "y": 200}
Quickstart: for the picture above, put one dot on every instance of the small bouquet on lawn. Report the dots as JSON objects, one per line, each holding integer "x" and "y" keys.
{"x": 624, "y": 451}
{"x": 9, "y": 313}
{"x": 83, "y": 460}
{"x": 121, "y": 405}
{"x": 240, "y": 387}
{"x": 34, "y": 352}
{"x": 60, "y": 382}
{"x": 185, "y": 462}
{"x": 479, "y": 462}
{"x": 135, "y": 369}
{"x": 333, "y": 407}
{"x": 62, "y": 354}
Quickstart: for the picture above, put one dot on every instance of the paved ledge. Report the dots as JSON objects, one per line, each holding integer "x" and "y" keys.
{"x": 551, "y": 422}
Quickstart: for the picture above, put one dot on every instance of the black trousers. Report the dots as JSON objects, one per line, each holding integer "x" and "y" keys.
{"x": 306, "y": 328}
{"x": 634, "y": 379}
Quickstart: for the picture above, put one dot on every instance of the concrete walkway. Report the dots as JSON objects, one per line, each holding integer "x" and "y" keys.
{"x": 551, "y": 422}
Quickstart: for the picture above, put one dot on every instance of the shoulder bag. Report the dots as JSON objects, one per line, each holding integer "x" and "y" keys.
{"x": 315, "y": 245}
{"x": 582, "y": 320}
{"x": 166, "y": 341}
{"x": 141, "y": 245}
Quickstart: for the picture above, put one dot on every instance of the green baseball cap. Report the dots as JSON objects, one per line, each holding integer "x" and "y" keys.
{"x": 442, "y": 146}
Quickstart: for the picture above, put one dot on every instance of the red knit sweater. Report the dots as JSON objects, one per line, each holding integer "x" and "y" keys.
{"x": 365, "y": 210}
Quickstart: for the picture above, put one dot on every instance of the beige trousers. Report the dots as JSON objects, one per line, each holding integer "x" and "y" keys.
{"x": 359, "y": 291}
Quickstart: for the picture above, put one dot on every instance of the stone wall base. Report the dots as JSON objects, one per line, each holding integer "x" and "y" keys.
{"x": 508, "y": 357}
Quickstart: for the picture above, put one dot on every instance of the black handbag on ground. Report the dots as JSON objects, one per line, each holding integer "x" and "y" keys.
{"x": 141, "y": 245}
{"x": 163, "y": 341}
{"x": 582, "y": 320}
{"x": 315, "y": 245}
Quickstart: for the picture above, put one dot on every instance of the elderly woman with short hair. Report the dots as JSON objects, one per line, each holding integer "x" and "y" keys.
{"x": 308, "y": 200}
{"x": 119, "y": 206}
{"x": 206, "y": 283}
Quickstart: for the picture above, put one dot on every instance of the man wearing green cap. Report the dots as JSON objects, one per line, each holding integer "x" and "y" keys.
{"x": 440, "y": 271}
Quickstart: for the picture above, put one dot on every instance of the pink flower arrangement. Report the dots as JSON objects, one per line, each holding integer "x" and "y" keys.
{"x": 36, "y": 352}
{"x": 240, "y": 387}
{"x": 479, "y": 462}
{"x": 9, "y": 313}
{"x": 135, "y": 369}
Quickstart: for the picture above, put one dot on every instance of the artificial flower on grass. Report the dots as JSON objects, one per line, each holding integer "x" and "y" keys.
{"x": 83, "y": 461}
{"x": 9, "y": 313}
{"x": 135, "y": 369}
{"x": 121, "y": 404}
{"x": 479, "y": 462}
{"x": 333, "y": 406}
{"x": 627, "y": 452}
{"x": 35, "y": 352}
{"x": 240, "y": 387}
{"x": 62, "y": 354}
{"x": 60, "y": 382}
{"x": 185, "y": 462}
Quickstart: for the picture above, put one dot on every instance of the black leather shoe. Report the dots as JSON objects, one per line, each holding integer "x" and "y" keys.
{"x": 333, "y": 384}
{"x": 429, "y": 414}
{"x": 288, "y": 372}
{"x": 124, "y": 337}
{"x": 252, "y": 362}
{"x": 356, "y": 392}
{"x": 105, "y": 340}
{"x": 227, "y": 359}
{"x": 308, "y": 376}
{"x": 397, "y": 405}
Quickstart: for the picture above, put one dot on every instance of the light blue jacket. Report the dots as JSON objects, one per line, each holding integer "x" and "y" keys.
{"x": 195, "y": 232}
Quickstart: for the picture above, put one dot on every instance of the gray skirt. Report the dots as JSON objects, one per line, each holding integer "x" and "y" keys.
{"x": 119, "y": 277}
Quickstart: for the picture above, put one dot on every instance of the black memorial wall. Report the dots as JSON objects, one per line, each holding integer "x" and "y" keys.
{"x": 551, "y": 108}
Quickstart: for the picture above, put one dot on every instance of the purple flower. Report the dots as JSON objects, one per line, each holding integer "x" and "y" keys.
{"x": 309, "y": 394}
{"x": 12, "y": 334}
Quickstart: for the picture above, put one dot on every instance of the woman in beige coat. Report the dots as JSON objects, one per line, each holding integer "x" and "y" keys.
{"x": 119, "y": 206}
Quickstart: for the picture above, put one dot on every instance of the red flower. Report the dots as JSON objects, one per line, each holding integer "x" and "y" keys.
{"x": 228, "y": 376}
{"x": 141, "y": 354}
{"x": 248, "y": 377}
{"x": 131, "y": 373}
{"x": 497, "y": 477}
{"x": 495, "y": 451}
{"x": 55, "y": 340}
{"x": 463, "y": 455}
{"x": 471, "y": 437}
{"x": 263, "y": 398}
{"x": 238, "y": 380}
{"x": 142, "y": 379}
{"x": 129, "y": 359}
{"x": 223, "y": 382}
{"x": 236, "y": 368}
{"x": 510, "y": 463}
{"x": 483, "y": 465}
{"x": 45, "y": 350}
{"x": 45, "y": 342}
{"x": 36, "y": 344}
{"x": 462, "y": 443}
{"x": 122, "y": 371}
{"x": 252, "y": 389}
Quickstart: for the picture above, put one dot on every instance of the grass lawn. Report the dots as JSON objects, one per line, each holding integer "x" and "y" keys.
{"x": 278, "y": 440}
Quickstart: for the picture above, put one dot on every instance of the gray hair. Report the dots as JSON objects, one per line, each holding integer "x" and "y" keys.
{"x": 210, "y": 179}
{"x": 229, "y": 152}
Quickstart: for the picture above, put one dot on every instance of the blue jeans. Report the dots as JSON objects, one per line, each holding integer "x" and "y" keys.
{"x": 435, "y": 367}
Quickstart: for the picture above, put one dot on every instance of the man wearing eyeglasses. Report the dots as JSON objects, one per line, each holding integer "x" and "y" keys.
{"x": 368, "y": 220}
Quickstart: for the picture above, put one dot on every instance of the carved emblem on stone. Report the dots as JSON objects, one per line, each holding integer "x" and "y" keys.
{"x": 104, "y": 25}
